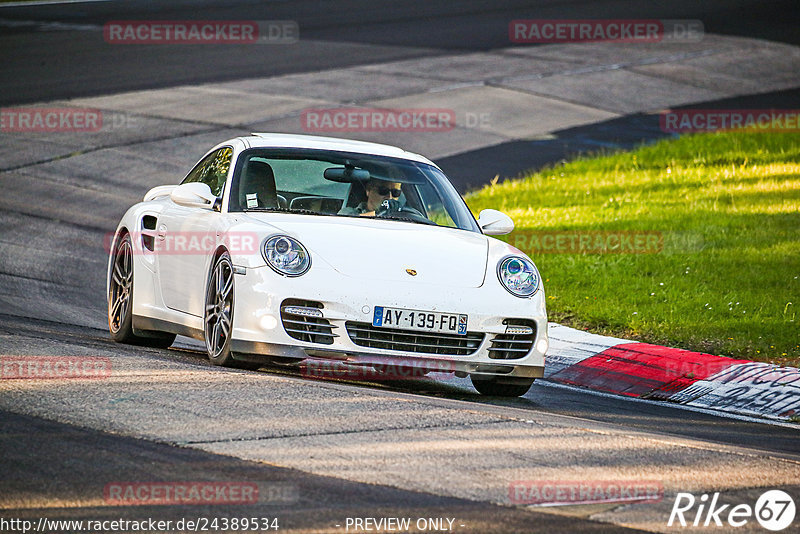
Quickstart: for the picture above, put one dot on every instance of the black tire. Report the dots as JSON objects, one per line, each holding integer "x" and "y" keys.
{"x": 218, "y": 316}
{"x": 501, "y": 386}
{"x": 120, "y": 301}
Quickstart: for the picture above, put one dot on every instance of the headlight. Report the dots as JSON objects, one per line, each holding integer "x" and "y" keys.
{"x": 518, "y": 275}
{"x": 286, "y": 255}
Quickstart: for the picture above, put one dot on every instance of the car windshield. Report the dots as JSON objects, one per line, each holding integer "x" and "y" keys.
{"x": 333, "y": 183}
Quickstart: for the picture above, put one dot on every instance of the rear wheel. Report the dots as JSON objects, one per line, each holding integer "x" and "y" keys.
{"x": 501, "y": 386}
{"x": 218, "y": 320}
{"x": 120, "y": 301}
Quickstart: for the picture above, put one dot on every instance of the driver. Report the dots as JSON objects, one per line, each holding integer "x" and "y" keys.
{"x": 381, "y": 196}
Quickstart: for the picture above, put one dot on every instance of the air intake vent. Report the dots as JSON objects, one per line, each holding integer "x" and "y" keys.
{"x": 366, "y": 335}
{"x": 148, "y": 231}
{"x": 517, "y": 342}
{"x": 302, "y": 320}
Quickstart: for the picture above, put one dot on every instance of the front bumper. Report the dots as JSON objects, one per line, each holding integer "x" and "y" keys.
{"x": 258, "y": 328}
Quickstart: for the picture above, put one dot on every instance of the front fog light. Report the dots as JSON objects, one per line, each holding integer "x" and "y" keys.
{"x": 286, "y": 255}
{"x": 518, "y": 275}
{"x": 268, "y": 322}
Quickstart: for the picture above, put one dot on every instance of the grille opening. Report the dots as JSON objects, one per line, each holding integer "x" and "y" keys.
{"x": 373, "y": 337}
{"x": 513, "y": 346}
{"x": 493, "y": 369}
{"x": 304, "y": 328}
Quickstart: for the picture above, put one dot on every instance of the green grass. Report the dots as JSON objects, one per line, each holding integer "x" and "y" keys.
{"x": 727, "y": 278}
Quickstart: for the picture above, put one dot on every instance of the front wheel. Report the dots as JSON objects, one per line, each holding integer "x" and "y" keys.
{"x": 218, "y": 318}
{"x": 501, "y": 386}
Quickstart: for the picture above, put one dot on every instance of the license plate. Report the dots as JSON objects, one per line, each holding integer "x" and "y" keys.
{"x": 423, "y": 321}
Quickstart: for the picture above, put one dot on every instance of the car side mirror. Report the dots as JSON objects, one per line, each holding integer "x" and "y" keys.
{"x": 493, "y": 222}
{"x": 194, "y": 195}
{"x": 159, "y": 191}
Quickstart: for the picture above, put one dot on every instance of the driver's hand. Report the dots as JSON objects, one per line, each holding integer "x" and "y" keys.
{"x": 389, "y": 205}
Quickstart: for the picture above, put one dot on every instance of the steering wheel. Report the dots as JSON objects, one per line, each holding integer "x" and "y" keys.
{"x": 405, "y": 212}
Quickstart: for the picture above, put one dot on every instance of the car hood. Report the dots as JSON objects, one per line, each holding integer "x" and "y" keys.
{"x": 372, "y": 249}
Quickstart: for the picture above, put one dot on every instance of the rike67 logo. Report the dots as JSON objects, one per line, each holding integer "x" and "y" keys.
{"x": 774, "y": 510}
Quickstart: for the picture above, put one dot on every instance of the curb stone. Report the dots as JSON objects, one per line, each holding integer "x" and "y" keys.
{"x": 633, "y": 369}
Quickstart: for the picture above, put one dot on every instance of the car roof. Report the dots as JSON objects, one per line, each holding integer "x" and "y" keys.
{"x": 280, "y": 140}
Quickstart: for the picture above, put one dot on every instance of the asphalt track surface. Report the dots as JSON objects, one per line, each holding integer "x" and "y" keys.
{"x": 47, "y": 63}
{"x": 54, "y": 465}
{"x": 303, "y": 502}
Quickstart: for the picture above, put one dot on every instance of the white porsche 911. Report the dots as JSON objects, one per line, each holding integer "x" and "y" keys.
{"x": 290, "y": 247}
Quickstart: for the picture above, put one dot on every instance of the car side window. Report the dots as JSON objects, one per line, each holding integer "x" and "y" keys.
{"x": 212, "y": 171}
